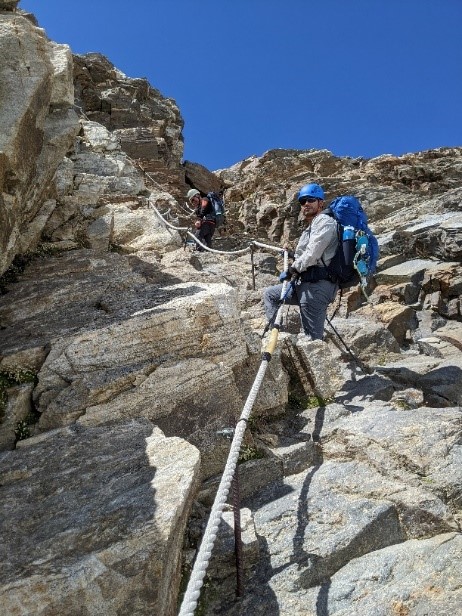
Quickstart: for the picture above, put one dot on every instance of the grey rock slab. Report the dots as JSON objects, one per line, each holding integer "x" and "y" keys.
{"x": 365, "y": 389}
{"x": 296, "y": 456}
{"x": 37, "y": 128}
{"x": 193, "y": 398}
{"x": 316, "y": 423}
{"x": 421, "y": 512}
{"x": 316, "y": 364}
{"x": 198, "y": 321}
{"x": 90, "y": 523}
{"x": 439, "y": 378}
{"x": 423, "y": 443}
{"x": 312, "y": 528}
{"x": 364, "y": 338}
{"x": 430, "y": 221}
{"x": 61, "y": 294}
{"x": 409, "y": 271}
{"x": 417, "y": 578}
{"x": 414, "y": 578}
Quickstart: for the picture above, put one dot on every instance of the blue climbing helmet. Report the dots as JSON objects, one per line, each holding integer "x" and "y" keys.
{"x": 311, "y": 190}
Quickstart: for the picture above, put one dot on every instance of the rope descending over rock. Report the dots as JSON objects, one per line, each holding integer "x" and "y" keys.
{"x": 222, "y": 252}
{"x": 196, "y": 579}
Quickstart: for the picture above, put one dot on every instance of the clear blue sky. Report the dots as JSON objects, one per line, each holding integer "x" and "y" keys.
{"x": 357, "y": 77}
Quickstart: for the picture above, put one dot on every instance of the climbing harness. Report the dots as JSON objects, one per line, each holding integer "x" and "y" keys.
{"x": 196, "y": 580}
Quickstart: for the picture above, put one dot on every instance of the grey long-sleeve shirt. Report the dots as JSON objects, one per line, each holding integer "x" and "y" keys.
{"x": 317, "y": 243}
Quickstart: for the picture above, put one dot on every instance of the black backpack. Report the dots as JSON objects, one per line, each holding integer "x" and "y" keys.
{"x": 218, "y": 203}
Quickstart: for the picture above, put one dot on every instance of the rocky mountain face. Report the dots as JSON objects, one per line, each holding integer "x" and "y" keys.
{"x": 124, "y": 355}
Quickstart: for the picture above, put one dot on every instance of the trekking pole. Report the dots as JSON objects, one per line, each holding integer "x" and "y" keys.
{"x": 365, "y": 369}
{"x": 286, "y": 293}
{"x": 275, "y": 320}
{"x": 253, "y": 266}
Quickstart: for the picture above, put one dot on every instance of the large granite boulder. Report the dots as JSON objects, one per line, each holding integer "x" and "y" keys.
{"x": 37, "y": 127}
{"x": 90, "y": 522}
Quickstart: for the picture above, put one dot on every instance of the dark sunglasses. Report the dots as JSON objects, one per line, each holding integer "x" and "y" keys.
{"x": 304, "y": 200}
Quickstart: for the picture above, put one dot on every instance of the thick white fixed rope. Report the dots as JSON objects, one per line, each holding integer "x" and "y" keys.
{"x": 205, "y": 551}
{"x": 220, "y": 252}
{"x": 168, "y": 224}
{"x": 242, "y": 251}
{"x": 275, "y": 248}
{"x": 204, "y": 554}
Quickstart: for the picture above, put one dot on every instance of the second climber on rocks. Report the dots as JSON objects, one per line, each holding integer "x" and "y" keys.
{"x": 205, "y": 218}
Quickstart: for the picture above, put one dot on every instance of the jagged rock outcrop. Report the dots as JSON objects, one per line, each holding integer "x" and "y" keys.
{"x": 123, "y": 355}
{"x": 102, "y": 199}
{"x": 201, "y": 178}
{"x": 8, "y": 5}
{"x": 147, "y": 125}
{"x": 420, "y": 190}
{"x": 37, "y": 128}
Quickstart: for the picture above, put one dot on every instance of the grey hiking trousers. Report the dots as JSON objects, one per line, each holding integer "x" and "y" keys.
{"x": 313, "y": 299}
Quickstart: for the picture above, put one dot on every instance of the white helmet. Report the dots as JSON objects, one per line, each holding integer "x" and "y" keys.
{"x": 192, "y": 193}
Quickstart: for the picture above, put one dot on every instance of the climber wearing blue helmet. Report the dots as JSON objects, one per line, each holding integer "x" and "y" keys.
{"x": 310, "y": 190}
{"x": 313, "y": 290}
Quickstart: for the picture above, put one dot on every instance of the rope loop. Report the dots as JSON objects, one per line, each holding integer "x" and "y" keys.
{"x": 242, "y": 251}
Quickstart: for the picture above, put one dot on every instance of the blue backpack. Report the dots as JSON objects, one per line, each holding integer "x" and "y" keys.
{"x": 358, "y": 250}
